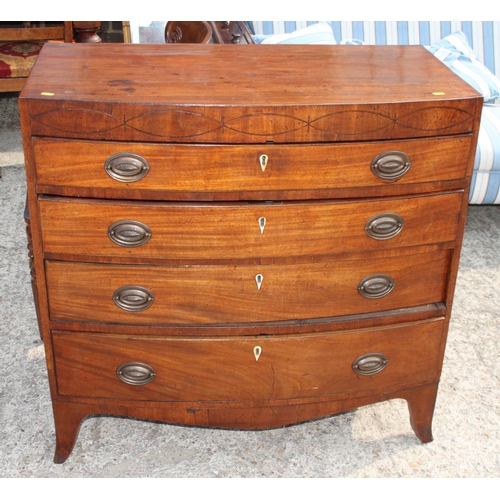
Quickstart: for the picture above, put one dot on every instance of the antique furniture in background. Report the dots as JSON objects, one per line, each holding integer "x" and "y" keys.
{"x": 236, "y": 32}
{"x": 219, "y": 32}
{"x": 232, "y": 32}
{"x": 188, "y": 32}
{"x": 280, "y": 248}
{"x": 86, "y": 31}
{"x": 21, "y": 41}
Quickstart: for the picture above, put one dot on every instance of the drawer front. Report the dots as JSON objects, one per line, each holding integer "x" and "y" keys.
{"x": 243, "y": 294}
{"x": 238, "y": 231}
{"x": 253, "y": 368}
{"x": 102, "y": 169}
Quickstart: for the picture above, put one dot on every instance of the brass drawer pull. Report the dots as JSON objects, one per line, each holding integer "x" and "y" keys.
{"x": 129, "y": 233}
{"x": 369, "y": 364}
{"x": 133, "y": 298}
{"x": 135, "y": 373}
{"x": 126, "y": 167}
{"x": 376, "y": 286}
{"x": 384, "y": 226}
{"x": 391, "y": 165}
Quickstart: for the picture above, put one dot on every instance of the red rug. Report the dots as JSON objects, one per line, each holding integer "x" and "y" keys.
{"x": 17, "y": 58}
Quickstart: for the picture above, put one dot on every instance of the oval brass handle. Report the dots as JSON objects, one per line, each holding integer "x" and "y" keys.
{"x": 369, "y": 364}
{"x": 135, "y": 373}
{"x": 384, "y": 226}
{"x": 376, "y": 286}
{"x": 129, "y": 233}
{"x": 126, "y": 167}
{"x": 391, "y": 165}
{"x": 133, "y": 298}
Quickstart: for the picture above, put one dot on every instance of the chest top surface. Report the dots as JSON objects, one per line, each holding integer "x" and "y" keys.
{"x": 219, "y": 93}
{"x": 251, "y": 75}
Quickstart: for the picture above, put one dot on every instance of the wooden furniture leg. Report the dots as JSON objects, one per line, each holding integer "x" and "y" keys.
{"x": 421, "y": 402}
{"x": 67, "y": 419}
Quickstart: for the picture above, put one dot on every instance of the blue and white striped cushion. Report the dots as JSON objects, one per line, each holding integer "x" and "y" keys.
{"x": 315, "y": 34}
{"x": 455, "y": 52}
{"x": 485, "y": 187}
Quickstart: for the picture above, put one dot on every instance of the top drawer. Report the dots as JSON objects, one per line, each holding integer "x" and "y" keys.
{"x": 268, "y": 171}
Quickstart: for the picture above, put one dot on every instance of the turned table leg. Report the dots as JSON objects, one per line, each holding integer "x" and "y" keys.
{"x": 86, "y": 31}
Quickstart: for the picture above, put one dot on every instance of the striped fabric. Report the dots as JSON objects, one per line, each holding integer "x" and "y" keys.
{"x": 485, "y": 188}
{"x": 315, "y": 34}
{"x": 484, "y": 39}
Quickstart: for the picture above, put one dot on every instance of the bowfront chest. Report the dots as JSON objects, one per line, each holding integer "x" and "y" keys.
{"x": 244, "y": 237}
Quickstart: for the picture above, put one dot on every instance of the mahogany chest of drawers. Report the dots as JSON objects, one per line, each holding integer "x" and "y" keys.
{"x": 244, "y": 237}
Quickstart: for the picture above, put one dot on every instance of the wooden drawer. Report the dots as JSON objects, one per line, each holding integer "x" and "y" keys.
{"x": 212, "y": 369}
{"x": 92, "y": 229}
{"x": 205, "y": 172}
{"x": 230, "y": 294}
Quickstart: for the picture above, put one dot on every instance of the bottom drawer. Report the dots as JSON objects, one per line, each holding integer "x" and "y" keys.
{"x": 246, "y": 368}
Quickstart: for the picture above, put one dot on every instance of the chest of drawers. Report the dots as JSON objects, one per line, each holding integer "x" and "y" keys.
{"x": 244, "y": 237}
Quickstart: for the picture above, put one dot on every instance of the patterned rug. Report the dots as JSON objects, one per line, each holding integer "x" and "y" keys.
{"x": 17, "y": 58}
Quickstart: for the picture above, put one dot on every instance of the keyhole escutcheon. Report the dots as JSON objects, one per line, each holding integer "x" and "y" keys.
{"x": 263, "y": 159}
{"x": 257, "y": 351}
{"x": 259, "y": 279}
{"x": 262, "y": 224}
